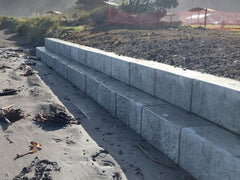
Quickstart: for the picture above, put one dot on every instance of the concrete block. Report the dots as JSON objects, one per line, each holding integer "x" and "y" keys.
{"x": 92, "y": 87}
{"x": 129, "y": 112}
{"x": 107, "y": 98}
{"x": 217, "y": 104}
{"x": 174, "y": 89}
{"x": 210, "y": 153}
{"x": 39, "y": 51}
{"x": 50, "y": 44}
{"x": 121, "y": 69}
{"x": 60, "y": 67}
{"x": 79, "y": 55}
{"x": 51, "y": 60}
{"x": 162, "y": 124}
{"x": 99, "y": 61}
{"x": 65, "y": 50}
{"x": 77, "y": 78}
{"x": 130, "y": 104}
{"x": 142, "y": 77}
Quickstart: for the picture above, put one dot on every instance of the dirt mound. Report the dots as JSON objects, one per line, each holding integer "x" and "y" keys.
{"x": 208, "y": 51}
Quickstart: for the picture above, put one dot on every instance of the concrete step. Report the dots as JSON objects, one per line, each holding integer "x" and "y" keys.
{"x": 214, "y": 98}
{"x": 204, "y": 149}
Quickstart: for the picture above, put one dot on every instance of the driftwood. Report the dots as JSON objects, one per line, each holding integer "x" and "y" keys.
{"x": 57, "y": 114}
{"x": 7, "y": 92}
{"x": 5, "y": 67}
{"x": 34, "y": 147}
{"x": 10, "y": 115}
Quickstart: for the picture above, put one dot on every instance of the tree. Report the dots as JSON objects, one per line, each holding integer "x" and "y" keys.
{"x": 165, "y": 4}
{"x": 141, "y": 6}
{"x": 88, "y": 4}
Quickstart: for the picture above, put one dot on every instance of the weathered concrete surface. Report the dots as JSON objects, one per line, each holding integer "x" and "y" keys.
{"x": 218, "y": 104}
{"x": 210, "y": 153}
{"x": 162, "y": 124}
{"x": 69, "y": 50}
{"x": 142, "y": 77}
{"x": 77, "y": 78}
{"x": 79, "y": 55}
{"x": 183, "y": 137}
{"x": 130, "y": 104}
{"x": 99, "y": 62}
{"x": 107, "y": 98}
{"x": 211, "y": 98}
{"x": 121, "y": 69}
{"x": 174, "y": 89}
{"x": 92, "y": 87}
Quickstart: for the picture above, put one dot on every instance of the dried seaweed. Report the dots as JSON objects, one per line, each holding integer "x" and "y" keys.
{"x": 8, "y": 92}
{"x": 42, "y": 170}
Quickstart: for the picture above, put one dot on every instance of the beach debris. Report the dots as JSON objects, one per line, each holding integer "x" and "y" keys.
{"x": 10, "y": 115}
{"x": 98, "y": 153}
{"x": 30, "y": 63}
{"x": 154, "y": 160}
{"x": 55, "y": 113}
{"x": 5, "y": 67}
{"x": 116, "y": 176}
{"x": 42, "y": 169}
{"x": 23, "y": 67}
{"x": 29, "y": 72}
{"x": 34, "y": 147}
{"x": 8, "y": 92}
{"x": 34, "y": 58}
{"x": 8, "y": 139}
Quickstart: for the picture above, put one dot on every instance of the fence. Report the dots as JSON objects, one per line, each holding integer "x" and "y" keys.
{"x": 215, "y": 20}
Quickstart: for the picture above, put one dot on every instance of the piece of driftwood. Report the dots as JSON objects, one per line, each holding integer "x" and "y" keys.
{"x": 29, "y": 72}
{"x": 10, "y": 115}
{"x": 33, "y": 148}
{"x": 5, "y": 67}
{"x": 8, "y": 92}
{"x": 55, "y": 113}
{"x": 154, "y": 160}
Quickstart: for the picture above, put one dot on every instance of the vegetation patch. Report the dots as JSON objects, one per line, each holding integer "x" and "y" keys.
{"x": 37, "y": 28}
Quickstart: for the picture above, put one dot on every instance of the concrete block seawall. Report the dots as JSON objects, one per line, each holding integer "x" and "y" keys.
{"x": 216, "y": 99}
{"x": 173, "y": 109}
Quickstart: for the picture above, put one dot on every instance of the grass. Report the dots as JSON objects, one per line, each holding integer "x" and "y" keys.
{"x": 218, "y": 27}
{"x": 35, "y": 29}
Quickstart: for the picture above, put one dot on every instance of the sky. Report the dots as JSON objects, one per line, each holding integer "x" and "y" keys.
{"x": 27, "y": 7}
{"x": 221, "y": 5}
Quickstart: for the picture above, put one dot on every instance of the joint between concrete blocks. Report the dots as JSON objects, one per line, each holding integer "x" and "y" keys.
{"x": 179, "y": 145}
{"x": 85, "y": 81}
{"x": 191, "y": 96}
{"x": 115, "y": 113}
{"x": 154, "y": 85}
{"x": 129, "y": 78}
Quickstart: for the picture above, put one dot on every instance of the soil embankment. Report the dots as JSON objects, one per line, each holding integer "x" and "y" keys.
{"x": 208, "y": 51}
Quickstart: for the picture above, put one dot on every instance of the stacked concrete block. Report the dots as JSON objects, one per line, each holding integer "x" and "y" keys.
{"x": 107, "y": 98}
{"x": 174, "y": 89}
{"x": 120, "y": 69}
{"x": 78, "y": 78}
{"x": 133, "y": 90}
{"x": 99, "y": 62}
{"x": 217, "y": 103}
{"x": 142, "y": 77}
{"x": 130, "y": 104}
{"x": 210, "y": 153}
{"x": 162, "y": 125}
